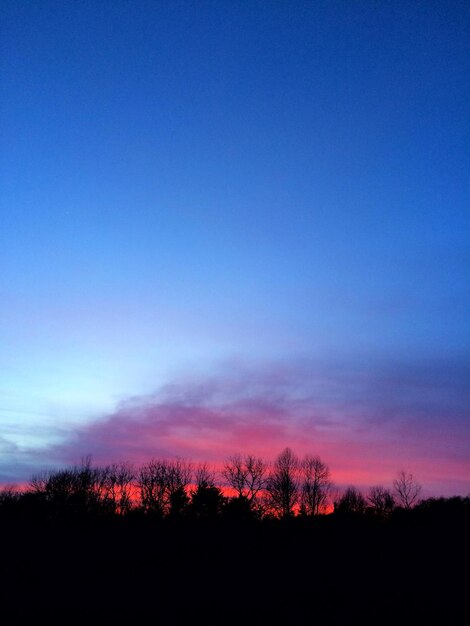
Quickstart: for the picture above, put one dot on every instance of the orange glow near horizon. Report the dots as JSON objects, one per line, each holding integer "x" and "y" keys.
{"x": 359, "y": 453}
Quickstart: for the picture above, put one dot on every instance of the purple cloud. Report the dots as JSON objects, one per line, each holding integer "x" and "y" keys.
{"x": 366, "y": 422}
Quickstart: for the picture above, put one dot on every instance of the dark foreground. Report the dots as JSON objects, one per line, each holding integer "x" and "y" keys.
{"x": 140, "y": 571}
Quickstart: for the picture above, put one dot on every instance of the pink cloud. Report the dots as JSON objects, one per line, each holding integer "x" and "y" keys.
{"x": 385, "y": 426}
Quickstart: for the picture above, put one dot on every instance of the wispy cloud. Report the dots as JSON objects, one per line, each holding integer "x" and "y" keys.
{"x": 367, "y": 421}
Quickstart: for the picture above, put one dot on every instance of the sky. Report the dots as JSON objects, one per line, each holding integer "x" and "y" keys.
{"x": 235, "y": 226}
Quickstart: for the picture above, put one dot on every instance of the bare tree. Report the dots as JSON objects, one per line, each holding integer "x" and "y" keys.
{"x": 246, "y": 475}
{"x": 179, "y": 475}
{"x": 9, "y": 494}
{"x": 381, "y": 500}
{"x": 178, "y": 480}
{"x": 162, "y": 485}
{"x": 204, "y": 476}
{"x": 316, "y": 485}
{"x": 352, "y": 502}
{"x": 116, "y": 485}
{"x": 38, "y": 483}
{"x": 283, "y": 483}
{"x": 72, "y": 489}
{"x": 151, "y": 483}
{"x": 407, "y": 489}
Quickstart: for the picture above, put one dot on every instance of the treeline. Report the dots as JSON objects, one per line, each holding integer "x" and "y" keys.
{"x": 247, "y": 488}
{"x": 254, "y": 543}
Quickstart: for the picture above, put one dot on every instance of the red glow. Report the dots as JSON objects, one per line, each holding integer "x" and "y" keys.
{"x": 199, "y": 433}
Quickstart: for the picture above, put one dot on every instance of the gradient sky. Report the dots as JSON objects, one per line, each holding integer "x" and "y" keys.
{"x": 235, "y": 226}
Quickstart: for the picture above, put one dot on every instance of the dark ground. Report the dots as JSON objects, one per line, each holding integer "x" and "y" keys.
{"x": 337, "y": 571}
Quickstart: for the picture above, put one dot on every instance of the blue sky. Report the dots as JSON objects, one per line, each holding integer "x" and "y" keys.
{"x": 190, "y": 184}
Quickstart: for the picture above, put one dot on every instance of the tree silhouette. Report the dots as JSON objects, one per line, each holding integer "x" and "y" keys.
{"x": 88, "y": 562}
{"x": 407, "y": 489}
{"x": 73, "y": 490}
{"x": 239, "y": 508}
{"x": 9, "y": 493}
{"x": 178, "y": 502}
{"x": 381, "y": 501}
{"x": 246, "y": 475}
{"x": 283, "y": 484}
{"x": 179, "y": 478}
{"x": 10, "y": 497}
{"x": 115, "y": 483}
{"x": 207, "y": 500}
{"x": 315, "y": 485}
{"x": 162, "y": 485}
{"x": 151, "y": 482}
{"x": 172, "y": 488}
{"x": 352, "y": 502}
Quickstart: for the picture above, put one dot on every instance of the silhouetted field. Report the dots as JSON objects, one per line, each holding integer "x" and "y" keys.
{"x": 165, "y": 544}
{"x": 331, "y": 570}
